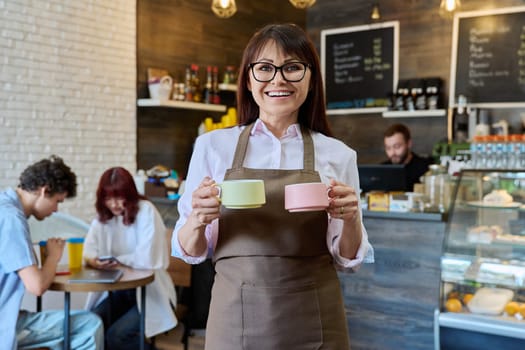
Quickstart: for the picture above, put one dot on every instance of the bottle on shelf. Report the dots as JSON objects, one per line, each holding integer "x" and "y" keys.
{"x": 500, "y": 150}
{"x": 229, "y": 75}
{"x": 195, "y": 83}
{"x": 408, "y": 100}
{"x": 188, "y": 89}
{"x": 208, "y": 90}
{"x": 522, "y": 153}
{"x": 216, "y": 97}
{"x": 490, "y": 151}
{"x": 460, "y": 121}
{"x": 514, "y": 151}
{"x": 431, "y": 97}
{"x": 419, "y": 98}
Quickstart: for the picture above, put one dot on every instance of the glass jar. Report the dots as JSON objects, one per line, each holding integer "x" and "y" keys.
{"x": 437, "y": 185}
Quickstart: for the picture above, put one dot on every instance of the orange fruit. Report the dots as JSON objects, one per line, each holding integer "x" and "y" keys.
{"x": 521, "y": 310}
{"x": 511, "y": 308}
{"x": 467, "y": 297}
{"x": 453, "y": 305}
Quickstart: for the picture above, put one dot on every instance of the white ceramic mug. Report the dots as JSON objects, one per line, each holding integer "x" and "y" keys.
{"x": 161, "y": 90}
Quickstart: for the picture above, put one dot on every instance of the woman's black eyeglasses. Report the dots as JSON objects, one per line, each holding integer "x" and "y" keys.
{"x": 292, "y": 72}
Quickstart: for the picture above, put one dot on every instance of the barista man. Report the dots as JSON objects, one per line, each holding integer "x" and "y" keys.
{"x": 398, "y": 148}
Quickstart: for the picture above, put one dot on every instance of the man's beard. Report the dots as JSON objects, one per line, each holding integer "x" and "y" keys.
{"x": 402, "y": 159}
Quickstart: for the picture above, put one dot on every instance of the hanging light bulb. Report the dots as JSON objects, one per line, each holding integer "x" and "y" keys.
{"x": 224, "y": 8}
{"x": 302, "y": 4}
{"x": 375, "y": 14}
{"x": 448, "y": 7}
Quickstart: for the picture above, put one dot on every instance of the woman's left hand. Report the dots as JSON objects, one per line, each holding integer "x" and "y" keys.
{"x": 102, "y": 264}
{"x": 344, "y": 201}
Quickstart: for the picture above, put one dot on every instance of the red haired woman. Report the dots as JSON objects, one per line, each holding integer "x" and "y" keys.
{"x": 129, "y": 228}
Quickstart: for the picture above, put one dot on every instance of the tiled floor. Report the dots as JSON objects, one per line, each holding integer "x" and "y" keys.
{"x": 172, "y": 340}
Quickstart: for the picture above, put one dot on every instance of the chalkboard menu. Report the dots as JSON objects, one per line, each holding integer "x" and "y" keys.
{"x": 488, "y": 58}
{"x": 360, "y": 67}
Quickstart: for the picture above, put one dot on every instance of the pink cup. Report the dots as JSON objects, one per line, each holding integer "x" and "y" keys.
{"x": 309, "y": 196}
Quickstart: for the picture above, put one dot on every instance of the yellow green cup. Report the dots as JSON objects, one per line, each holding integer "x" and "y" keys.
{"x": 242, "y": 194}
{"x": 75, "y": 247}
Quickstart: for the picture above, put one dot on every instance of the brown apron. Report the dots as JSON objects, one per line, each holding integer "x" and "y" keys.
{"x": 275, "y": 285}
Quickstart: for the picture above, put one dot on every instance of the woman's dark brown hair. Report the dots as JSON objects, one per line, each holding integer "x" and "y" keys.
{"x": 117, "y": 182}
{"x": 294, "y": 41}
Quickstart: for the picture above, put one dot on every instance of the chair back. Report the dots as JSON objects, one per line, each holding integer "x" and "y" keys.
{"x": 180, "y": 271}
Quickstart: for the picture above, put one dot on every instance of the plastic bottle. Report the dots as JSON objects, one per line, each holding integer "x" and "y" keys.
{"x": 500, "y": 149}
{"x": 522, "y": 153}
{"x": 490, "y": 152}
{"x": 514, "y": 151}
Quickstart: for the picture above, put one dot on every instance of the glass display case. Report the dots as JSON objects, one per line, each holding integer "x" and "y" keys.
{"x": 482, "y": 296}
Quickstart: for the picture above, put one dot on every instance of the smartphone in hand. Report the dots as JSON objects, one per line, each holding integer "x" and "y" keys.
{"x": 109, "y": 258}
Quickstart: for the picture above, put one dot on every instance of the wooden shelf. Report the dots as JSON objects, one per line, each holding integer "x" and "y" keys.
{"x": 148, "y": 102}
{"x": 228, "y": 87}
{"x": 415, "y": 114}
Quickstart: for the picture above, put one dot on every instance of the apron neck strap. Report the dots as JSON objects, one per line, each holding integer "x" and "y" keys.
{"x": 242, "y": 146}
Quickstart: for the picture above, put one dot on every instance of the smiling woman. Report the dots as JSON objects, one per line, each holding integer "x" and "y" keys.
{"x": 283, "y": 138}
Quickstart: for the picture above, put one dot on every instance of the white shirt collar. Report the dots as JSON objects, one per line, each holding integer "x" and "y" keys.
{"x": 293, "y": 131}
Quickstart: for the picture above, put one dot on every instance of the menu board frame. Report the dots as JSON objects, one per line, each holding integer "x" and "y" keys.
{"x": 362, "y": 30}
{"x": 458, "y": 41}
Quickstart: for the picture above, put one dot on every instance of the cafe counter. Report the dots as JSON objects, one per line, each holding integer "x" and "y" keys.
{"x": 390, "y": 304}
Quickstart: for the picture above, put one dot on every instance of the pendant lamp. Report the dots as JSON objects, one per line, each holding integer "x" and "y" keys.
{"x": 302, "y": 4}
{"x": 448, "y": 7}
{"x": 223, "y": 8}
{"x": 375, "y": 14}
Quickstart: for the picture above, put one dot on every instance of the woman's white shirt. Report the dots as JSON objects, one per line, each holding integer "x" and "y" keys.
{"x": 213, "y": 155}
{"x": 141, "y": 245}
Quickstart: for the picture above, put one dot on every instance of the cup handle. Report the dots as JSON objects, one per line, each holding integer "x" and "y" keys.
{"x": 219, "y": 196}
{"x": 328, "y": 189}
{"x": 166, "y": 81}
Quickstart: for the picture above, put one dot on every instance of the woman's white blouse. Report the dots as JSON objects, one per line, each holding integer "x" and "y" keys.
{"x": 213, "y": 155}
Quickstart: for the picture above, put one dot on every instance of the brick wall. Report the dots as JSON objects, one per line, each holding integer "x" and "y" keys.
{"x": 67, "y": 87}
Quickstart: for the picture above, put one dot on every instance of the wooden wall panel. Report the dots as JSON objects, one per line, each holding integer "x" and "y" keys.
{"x": 173, "y": 33}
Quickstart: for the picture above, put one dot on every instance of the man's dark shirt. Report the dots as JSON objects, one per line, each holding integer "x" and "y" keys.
{"x": 414, "y": 169}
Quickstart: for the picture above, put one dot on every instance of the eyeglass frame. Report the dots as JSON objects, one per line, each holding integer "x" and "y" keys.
{"x": 279, "y": 68}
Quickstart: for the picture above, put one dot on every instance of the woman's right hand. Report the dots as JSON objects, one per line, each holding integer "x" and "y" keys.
{"x": 205, "y": 203}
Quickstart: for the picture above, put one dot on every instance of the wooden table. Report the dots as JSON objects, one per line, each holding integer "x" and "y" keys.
{"x": 132, "y": 278}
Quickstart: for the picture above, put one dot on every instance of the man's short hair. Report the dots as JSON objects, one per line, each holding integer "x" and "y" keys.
{"x": 52, "y": 173}
{"x": 398, "y": 128}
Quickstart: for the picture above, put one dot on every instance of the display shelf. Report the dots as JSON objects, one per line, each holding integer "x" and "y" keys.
{"x": 497, "y": 325}
{"x": 484, "y": 250}
{"x": 415, "y": 114}
{"x": 148, "y": 102}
